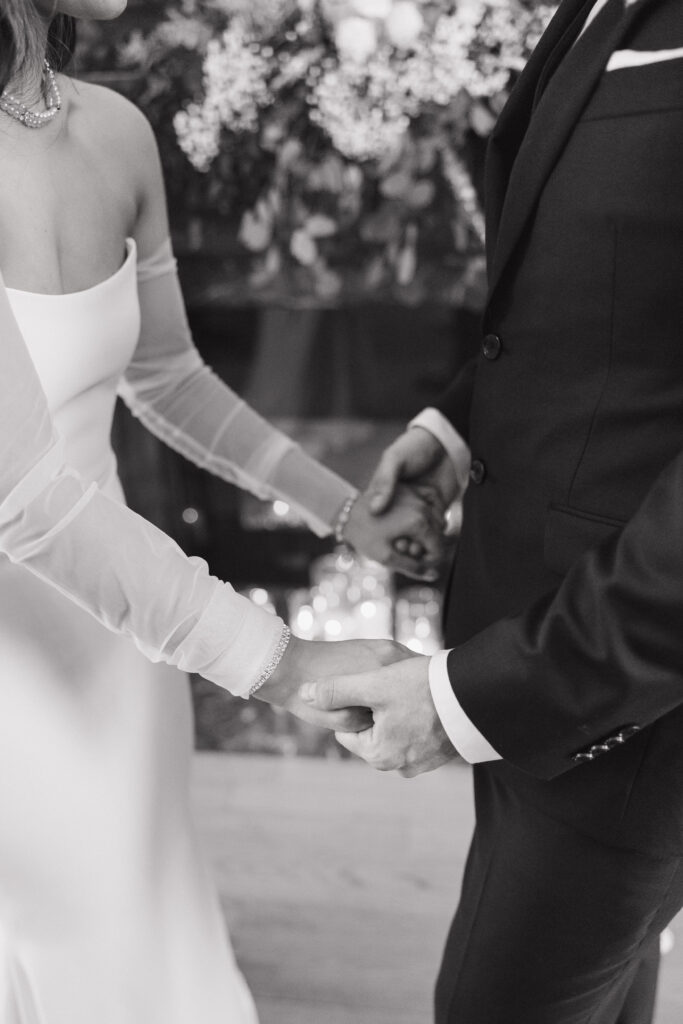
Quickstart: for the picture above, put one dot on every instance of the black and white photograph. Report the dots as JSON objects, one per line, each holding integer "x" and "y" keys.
{"x": 341, "y": 512}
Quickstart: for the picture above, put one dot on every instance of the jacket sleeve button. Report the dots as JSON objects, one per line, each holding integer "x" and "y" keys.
{"x": 491, "y": 346}
{"x": 626, "y": 732}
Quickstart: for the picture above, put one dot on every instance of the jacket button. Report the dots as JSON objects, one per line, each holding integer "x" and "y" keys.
{"x": 477, "y": 472}
{"x": 491, "y": 346}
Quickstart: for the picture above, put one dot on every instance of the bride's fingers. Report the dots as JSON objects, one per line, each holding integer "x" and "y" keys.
{"x": 406, "y": 546}
{"x": 419, "y": 573}
{"x": 345, "y": 720}
{"x": 428, "y": 550}
{"x": 415, "y": 568}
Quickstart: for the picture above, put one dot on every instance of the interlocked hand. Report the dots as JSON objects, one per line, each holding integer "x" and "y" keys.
{"x": 406, "y": 733}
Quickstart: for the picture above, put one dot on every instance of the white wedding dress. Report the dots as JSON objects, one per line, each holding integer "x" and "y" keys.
{"x": 107, "y": 912}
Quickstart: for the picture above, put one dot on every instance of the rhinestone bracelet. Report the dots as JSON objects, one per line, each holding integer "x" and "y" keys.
{"x": 278, "y": 653}
{"x": 343, "y": 519}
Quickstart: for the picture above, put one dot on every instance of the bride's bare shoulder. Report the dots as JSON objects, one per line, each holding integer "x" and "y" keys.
{"x": 106, "y": 113}
{"x": 117, "y": 134}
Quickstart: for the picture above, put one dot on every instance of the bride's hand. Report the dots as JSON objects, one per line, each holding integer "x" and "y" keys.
{"x": 312, "y": 660}
{"x": 408, "y": 537}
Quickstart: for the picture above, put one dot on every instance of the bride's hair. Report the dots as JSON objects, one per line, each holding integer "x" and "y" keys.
{"x": 21, "y": 38}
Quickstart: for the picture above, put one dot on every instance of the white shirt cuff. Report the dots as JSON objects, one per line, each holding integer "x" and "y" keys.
{"x": 464, "y": 736}
{"x": 443, "y": 430}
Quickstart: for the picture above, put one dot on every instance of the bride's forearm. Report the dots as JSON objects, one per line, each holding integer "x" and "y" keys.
{"x": 184, "y": 403}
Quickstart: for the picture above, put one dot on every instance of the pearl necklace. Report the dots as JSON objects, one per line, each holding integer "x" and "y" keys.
{"x": 35, "y": 118}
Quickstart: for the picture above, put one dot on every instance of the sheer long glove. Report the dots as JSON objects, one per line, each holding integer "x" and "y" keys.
{"x": 132, "y": 577}
{"x": 181, "y": 400}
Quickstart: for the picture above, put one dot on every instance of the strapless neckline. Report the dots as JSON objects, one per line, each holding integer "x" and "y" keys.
{"x": 131, "y": 253}
{"x": 80, "y": 344}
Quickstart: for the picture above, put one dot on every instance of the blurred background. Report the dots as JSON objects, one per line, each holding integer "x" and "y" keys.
{"x": 323, "y": 161}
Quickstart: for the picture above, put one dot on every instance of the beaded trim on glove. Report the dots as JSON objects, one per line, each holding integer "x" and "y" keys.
{"x": 278, "y": 653}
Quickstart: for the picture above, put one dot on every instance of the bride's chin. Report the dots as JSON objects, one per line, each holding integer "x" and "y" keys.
{"x": 91, "y": 10}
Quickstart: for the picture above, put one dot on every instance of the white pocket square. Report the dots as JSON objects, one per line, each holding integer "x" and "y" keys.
{"x": 637, "y": 58}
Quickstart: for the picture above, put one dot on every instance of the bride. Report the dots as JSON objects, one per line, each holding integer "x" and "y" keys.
{"x": 108, "y": 913}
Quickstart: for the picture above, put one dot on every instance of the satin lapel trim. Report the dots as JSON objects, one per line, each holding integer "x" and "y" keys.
{"x": 514, "y": 118}
{"x": 549, "y": 128}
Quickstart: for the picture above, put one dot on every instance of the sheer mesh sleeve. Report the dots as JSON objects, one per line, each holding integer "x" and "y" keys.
{"x": 131, "y": 576}
{"x": 178, "y": 398}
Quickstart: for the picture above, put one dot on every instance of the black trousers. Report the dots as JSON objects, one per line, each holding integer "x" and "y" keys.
{"x": 553, "y": 927}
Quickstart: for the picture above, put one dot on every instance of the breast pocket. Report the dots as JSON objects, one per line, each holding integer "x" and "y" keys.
{"x": 627, "y": 89}
{"x": 569, "y": 533}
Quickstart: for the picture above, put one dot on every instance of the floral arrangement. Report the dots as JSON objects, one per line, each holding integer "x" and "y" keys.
{"x": 339, "y": 141}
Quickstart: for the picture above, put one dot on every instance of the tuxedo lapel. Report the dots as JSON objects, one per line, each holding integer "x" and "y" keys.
{"x": 522, "y": 175}
{"x": 512, "y": 123}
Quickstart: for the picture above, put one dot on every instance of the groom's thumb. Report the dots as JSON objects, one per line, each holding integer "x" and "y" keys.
{"x": 383, "y": 484}
{"x": 333, "y": 694}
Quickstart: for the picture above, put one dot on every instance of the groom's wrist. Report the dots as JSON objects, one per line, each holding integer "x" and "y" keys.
{"x": 457, "y": 450}
{"x": 461, "y": 731}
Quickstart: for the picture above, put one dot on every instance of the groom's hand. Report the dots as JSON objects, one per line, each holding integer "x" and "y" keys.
{"x": 408, "y": 538}
{"x": 418, "y": 459}
{"x": 406, "y": 733}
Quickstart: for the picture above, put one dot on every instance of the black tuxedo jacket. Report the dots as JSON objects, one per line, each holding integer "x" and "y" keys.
{"x": 565, "y": 606}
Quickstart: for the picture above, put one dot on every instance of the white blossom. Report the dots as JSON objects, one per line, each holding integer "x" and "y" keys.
{"x": 356, "y": 38}
{"x": 235, "y": 89}
{"x": 391, "y": 61}
{"x": 236, "y": 79}
{"x": 178, "y": 30}
{"x": 404, "y": 24}
{"x": 372, "y": 8}
{"x": 198, "y": 131}
{"x": 361, "y": 107}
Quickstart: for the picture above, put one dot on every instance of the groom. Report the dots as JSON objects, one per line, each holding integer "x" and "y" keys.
{"x": 563, "y": 682}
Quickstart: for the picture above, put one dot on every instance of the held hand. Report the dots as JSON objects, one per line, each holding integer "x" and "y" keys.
{"x": 306, "y": 660}
{"x": 417, "y": 458}
{"x": 408, "y": 538}
{"x": 406, "y": 732}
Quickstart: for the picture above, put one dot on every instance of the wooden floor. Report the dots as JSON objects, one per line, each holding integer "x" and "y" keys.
{"x": 339, "y": 884}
